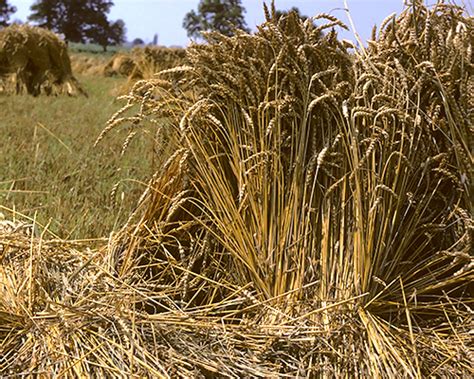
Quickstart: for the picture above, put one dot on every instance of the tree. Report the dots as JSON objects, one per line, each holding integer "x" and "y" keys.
{"x": 215, "y": 15}
{"x": 48, "y": 13}
{"x": 117, "y": 32}
{"x": 107, "y": 33}
{"x": 5, "y": 11}
{"x": 138, "y": 42}
{"x": 79, "y": 20}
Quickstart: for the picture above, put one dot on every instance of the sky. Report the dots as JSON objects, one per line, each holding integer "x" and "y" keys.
{"x": 144, "y": 18}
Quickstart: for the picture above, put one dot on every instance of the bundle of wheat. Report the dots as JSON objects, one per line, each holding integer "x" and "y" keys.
{"x": 306, "y": 225}
{"x": 412, "y": 110}
{"x": 35, "y": 60}
{"x": 139, "y": 63}
{"x": 87, "y": 64}
{"x": 143, "y": 63}
{"x": 320, "y": 183}
{"x": 161, "y": 57}
{"x": 119, "y": 65}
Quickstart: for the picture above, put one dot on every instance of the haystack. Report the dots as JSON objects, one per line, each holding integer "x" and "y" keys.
{"x": 142, "y": 63}
{"x": 120, "y": 65}
{"x": 315, "y": 219}
{"x": 34, "y": 60}
{"x": 88, "y": 64}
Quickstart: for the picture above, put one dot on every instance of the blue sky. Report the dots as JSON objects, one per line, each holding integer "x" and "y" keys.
{"x": 144, "y": 18}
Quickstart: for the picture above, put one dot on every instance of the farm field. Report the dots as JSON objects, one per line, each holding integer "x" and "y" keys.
{"x": 51, "y": 171}
{"x": 273, "y": 204}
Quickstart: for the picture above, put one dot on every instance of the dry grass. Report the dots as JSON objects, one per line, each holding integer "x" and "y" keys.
{"x": 315, "y": 219}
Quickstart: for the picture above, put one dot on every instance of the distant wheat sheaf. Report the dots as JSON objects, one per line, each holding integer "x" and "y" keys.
{"x": 314, "y": 220}
{"x": 143, "y": 63}
{"x": 34, "y": 61}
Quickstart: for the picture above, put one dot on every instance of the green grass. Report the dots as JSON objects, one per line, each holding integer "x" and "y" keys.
{"x": 91, "y": 48}
{"x": 51, "y": 171}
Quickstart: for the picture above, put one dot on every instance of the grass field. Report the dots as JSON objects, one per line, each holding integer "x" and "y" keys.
{"x": 95, "y": 49}
{"x": 51, "y": 171}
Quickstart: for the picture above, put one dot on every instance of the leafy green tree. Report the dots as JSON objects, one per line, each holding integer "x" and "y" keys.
{"x": 51, "y": 14}
{"x": 117, "y": 32}
{"x": 107, "y": 33}
{"x": 138, "y": 42}
{"x": 79, "y": 20}
{"x": 5, "y": 11}
{"x": 215, "y": 15}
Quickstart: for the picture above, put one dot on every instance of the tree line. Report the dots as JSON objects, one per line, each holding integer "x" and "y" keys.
{"x": 223, "y": 16}
{"x": 86, "y": 21}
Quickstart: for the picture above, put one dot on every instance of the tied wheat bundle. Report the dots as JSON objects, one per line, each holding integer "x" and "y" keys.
{"x": 119, "y": 65}
{"x": 87, "y": 64}
{"x": 143, "y": 63}
{"x": 314, "y": 219}
{"x": 34, "y": 60}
